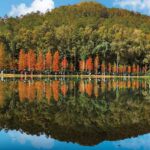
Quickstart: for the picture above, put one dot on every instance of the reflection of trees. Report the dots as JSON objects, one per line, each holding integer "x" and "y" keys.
{"x": 53, "y": 90}
{"x": 86, "y": 119}
{"x": 55, "y": 87}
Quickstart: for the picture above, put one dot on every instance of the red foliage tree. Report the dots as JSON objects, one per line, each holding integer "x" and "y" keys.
{"x": 22, "y": 63}
{"x": 40, "y": 62}
{"x": 56, "y": 62}
{"x": 89, "y": 64}
{"x": 64, "y": 63}
{"x": 31, "y": 60}
{"x": 48, "y": 62}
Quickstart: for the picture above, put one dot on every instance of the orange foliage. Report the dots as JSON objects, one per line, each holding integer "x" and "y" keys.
{"x": 40, "y": 62}
{"x": 39, "y": 88}
{"x": 22, "y": 90}
{"x": 48, "y": 91}
{"x": 64, "y": 63}
{"x": 89, "y": 88}
{"x": 31, "y": 60}
{"x": 56, "y": 62}
{"x": 48, "y": 61}
{"x": 64, "y": 89}
{"x": 55, "y": 88}
{"x": 89, "y": 64}
{"x": 22, "y": 63}
{"x": 30, "y": 91}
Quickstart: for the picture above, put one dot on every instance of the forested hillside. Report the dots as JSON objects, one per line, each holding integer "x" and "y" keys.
{"x": 82, "y": 37}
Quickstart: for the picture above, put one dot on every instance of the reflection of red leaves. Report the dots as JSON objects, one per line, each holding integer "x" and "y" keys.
{"x": 64, "y": 89}
{"x": 89, "y": 88}
{"x": 56, "y": 62}
{"x": 30, "y": 91}
{"x": 55, "y": 88}
{"x": 22, "y": 90}
{"x": 39, "y": 87}
{"x": 48, "y": 91}
{"x": 48, "y": 60}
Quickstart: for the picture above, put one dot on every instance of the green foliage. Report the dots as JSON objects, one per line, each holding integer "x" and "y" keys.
{"x": 81, "y": 30}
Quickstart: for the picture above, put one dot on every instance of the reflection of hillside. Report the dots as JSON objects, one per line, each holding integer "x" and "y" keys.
{"x": 76, "y": 113}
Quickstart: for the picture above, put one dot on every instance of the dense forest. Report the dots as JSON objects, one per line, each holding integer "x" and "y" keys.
{"x": 86, "y": 38}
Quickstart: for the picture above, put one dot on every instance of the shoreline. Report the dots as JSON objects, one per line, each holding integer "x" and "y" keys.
{"x": 69, "y": 76}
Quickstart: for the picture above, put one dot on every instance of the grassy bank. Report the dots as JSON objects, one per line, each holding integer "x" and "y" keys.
{"x": 67, "y": 76}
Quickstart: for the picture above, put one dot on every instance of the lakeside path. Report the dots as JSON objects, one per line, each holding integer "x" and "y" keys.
{"x": 69, "y": 76}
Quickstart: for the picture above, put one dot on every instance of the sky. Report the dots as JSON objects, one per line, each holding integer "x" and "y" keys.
{"x": 22, "y": 7}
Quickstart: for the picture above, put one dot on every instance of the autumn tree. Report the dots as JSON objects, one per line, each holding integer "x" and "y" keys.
{"x": 40, "y": 62}
{"x": 22, "y": 62}
{"x": 48, "y": 61}
{"x": 89, "y": 64}
{"x": 31, "y": 60}
{"x": 56, "y": 62}
{"x": 64, "y": 64}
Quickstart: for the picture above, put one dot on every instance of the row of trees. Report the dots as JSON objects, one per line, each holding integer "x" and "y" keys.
{"x": 78, "y": 32}
{"x": 54, "y": 63}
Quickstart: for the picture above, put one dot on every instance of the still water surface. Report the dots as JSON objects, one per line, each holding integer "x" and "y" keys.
{"x": 92, "y": 114}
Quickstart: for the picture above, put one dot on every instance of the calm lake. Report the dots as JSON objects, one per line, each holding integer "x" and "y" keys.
{"x": 93, "y": 114}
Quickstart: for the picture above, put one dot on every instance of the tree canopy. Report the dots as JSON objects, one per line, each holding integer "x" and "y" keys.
{"x": 80, "y": 31}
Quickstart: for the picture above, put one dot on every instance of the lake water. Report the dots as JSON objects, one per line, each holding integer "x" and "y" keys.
{"x": 93, "y": 114}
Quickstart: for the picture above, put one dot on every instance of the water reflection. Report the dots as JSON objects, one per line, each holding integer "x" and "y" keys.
{"x": 57, "y": 89}
{"x": 87, "y": 112}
